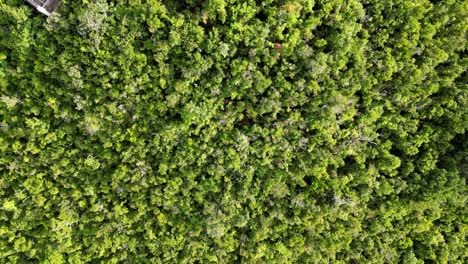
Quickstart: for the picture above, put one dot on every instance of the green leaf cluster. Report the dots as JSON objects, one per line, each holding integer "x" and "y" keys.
{"x": 199, "y": 131}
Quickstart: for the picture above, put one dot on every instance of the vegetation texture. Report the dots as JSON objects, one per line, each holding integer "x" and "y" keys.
{"x": 230, "y": 131}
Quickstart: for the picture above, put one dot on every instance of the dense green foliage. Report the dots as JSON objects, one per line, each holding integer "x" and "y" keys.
{"x": 234, "y": 131}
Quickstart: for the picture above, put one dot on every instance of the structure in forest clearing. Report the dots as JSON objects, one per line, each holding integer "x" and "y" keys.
{"x": 46, "y": 7}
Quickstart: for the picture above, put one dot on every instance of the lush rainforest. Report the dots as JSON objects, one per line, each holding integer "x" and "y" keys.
{"x": 234, "y": 131}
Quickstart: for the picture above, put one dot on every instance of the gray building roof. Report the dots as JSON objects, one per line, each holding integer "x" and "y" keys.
{"x": 46, "y": 7}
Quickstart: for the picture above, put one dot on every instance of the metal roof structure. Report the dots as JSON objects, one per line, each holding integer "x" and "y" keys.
{"x": 46, "y": 7}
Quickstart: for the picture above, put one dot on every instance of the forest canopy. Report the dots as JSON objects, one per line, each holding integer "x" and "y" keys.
{"x": 228, "y": 131}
